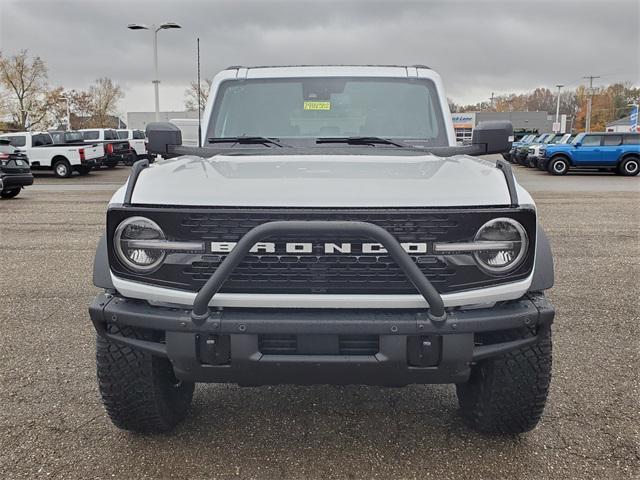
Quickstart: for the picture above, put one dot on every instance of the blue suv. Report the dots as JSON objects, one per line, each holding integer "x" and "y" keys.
{"x": 612, "y": 151}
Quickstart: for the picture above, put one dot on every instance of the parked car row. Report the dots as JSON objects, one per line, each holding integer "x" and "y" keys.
{"x": 64, "y": 152}
{"x": 558, "y": 154}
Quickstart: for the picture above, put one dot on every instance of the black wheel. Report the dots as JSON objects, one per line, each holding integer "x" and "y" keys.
{"x": 111, "y": 163}
{"x": 9, "y": 193}
{"x": 140, "y": 391}
{"x": 83, "y": 170}
{"x": 506, "y": 395}
{"x": 629, "y": 166}
{"x": 558, "y": 166}
{"x": 62, "y": 169}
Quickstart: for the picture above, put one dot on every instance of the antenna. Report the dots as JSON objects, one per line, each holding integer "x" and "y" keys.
{"x": 199, "y": 107}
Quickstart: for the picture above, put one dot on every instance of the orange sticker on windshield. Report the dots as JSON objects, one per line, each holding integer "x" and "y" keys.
{"x": 317, "y": 105}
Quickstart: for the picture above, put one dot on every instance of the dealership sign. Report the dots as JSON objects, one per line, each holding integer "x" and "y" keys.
{"x": 461, "y": 120}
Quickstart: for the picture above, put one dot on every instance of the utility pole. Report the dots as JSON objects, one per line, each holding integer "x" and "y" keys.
{"x": 491, "y": 98}
{"x": 558, "y": 108}
{"x": 199, "y": 98}
{"x": 589, "y": 102}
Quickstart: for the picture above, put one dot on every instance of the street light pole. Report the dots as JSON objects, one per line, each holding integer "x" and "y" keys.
{"x": 558, "y": 107}
{"x": 156, "y": 80}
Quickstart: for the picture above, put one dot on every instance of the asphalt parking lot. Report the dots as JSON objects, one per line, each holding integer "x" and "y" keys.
{"x": 52, "y": 424}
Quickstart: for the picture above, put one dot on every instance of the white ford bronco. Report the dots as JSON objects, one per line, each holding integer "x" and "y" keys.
{"x": 326, "y": 231}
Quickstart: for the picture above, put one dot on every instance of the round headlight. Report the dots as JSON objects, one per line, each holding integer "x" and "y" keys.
{"x": 507, "y": 244}
{"x": 129, "y": 242}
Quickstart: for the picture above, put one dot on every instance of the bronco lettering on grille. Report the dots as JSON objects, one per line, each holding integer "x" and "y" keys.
{"x": 304, "y": 247}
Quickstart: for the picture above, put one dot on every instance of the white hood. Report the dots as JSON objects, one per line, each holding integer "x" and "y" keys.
{"x": 321, "y": 181}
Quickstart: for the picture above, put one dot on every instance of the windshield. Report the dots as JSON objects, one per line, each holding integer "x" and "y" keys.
{"x": 578, "y": 138}
{"x": 329, "y": 107}
{"x": 73, "y": 137}
{"x": 110, "y": 135}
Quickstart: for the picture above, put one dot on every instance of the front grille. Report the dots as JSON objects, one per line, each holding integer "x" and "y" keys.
{"x": 317, "y": 272}
{"x": 350, "y": 345}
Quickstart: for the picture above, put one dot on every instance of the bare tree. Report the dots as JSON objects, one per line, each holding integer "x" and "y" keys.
{"x": 191, "y": 95}
{"x": 27, "y": 84}
{"x": 453, "y": 106}
{"x": 105, "y": 96}
{"x": 81, "y": 109}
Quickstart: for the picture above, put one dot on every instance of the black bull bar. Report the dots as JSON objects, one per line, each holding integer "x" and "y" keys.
{"x": 436, "y": 312}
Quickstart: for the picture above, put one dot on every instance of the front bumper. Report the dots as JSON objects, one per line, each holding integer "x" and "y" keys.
{"x": 532, "y": 159}
{"x": 520, "y": 156}
{"x": 543, "y": 163}
{"x": 405, "y": 339}
{"x": 16, "y": 180}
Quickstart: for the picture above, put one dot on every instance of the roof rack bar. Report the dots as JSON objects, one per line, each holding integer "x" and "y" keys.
{"x": 507, "y": 171}
{"x": 133, "y": 178}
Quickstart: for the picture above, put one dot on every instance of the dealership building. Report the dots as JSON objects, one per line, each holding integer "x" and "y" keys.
{"x": 537, "y": 122}
{"x": 139, "y": 120}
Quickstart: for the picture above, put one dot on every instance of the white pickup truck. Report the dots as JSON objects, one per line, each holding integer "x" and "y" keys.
{"x": 116, "y": 150}
{"x": 137, "y": 141}
{"x": 63, "y": 159}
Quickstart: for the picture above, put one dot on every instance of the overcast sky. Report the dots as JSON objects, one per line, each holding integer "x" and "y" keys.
{"x": 477, "y": 46}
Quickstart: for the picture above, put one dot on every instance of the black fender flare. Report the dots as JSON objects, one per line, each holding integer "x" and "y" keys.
{"x": 101, "y": 271}
{"x": 543, "y": 276}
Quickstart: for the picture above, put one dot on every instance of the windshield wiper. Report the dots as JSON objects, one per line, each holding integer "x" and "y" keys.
{"x": 246, "y": 140}
{"x": 363, "y": 141}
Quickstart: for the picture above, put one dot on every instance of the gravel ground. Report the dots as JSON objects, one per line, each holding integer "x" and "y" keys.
{"x": 52, "y": 424}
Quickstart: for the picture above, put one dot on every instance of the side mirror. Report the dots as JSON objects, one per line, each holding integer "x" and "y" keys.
{"x": 161, "y": 136}
{"x": 493, "y": 137}
{"x": 577, "y": 144}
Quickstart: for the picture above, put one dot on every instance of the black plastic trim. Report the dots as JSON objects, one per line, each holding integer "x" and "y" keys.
{"x": 505, "y": 167}
{"x": 133, "y": 178}
{"x": 543, "y": 272}
{"x": 101, "y": 271}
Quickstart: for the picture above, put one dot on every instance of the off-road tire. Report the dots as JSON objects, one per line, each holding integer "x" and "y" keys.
{"x": 506, "y": 395}
{"x": 140, "y": 391}
{"x": 629, "y": 166}
{"x": 555, "y": 169}
{"x": 10, "y": 193}
{"x": 62, "y": 168}
{"x": 83, "y": 170}
{"x": 111, "y": 163}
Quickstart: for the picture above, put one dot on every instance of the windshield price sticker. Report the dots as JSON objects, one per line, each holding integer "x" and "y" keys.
{"x": 317, "y": 105}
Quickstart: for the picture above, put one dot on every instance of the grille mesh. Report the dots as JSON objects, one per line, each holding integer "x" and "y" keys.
{"x": 318, "y": 272}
